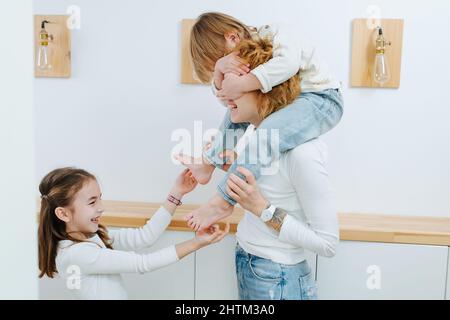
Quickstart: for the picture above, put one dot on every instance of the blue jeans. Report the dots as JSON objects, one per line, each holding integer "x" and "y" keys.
{"x": 263, "y": 279}
{"x": 309, "y": 116}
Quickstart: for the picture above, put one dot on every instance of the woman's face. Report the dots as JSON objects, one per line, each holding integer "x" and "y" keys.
{"x": 86, "y": 210}
{"x": 245, "y": 109}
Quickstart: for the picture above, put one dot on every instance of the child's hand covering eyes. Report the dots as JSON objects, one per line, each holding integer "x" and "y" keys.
{"x": 232, "y": 87}
{"x": 232, "y": 63}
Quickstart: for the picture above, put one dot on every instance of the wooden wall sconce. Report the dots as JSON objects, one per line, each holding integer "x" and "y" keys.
{"x": 52, "y": 46}
{"x": 376, "y": 43}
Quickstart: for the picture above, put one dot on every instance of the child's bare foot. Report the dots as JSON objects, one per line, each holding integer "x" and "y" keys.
{"x": 215, "y": 210}
{"x": 201, "y": 170}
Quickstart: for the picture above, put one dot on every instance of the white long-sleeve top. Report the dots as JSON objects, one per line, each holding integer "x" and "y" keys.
{"x": 302, "y": 188}
{"x": 92, "y": 271}
{"x": 293, "y": 52}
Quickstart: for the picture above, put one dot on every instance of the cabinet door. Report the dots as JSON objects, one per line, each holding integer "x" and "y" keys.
{"x": 53, "y": 289}
{"x": 448, "y": 276}
{"x": 173, "y": 282}
{"x": 216, "y": 271}
{"x": 365, "y": 270}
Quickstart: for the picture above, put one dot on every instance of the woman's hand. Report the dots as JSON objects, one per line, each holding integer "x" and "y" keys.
{"x": 232, "y": 63}
{"x": 246, "y": 193}
{"x": 212, "y": 235}
{"x": 184, "y": 184}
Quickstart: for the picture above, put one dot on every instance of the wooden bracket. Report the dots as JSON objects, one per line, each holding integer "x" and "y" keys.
{"x": 363, "y": 52}
{"x": 59, "y": 46}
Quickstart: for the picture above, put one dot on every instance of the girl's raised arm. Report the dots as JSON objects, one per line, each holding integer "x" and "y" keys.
{"x": 130, "y": 239}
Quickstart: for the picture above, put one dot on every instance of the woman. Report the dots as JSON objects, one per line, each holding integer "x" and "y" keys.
{"x": 286, "y": 212}
{"x": 212, "y": 37}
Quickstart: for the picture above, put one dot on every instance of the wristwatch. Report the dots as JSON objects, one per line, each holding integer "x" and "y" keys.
{"x": 267, "y": 214}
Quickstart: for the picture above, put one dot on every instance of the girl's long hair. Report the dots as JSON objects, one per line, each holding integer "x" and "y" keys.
{"x": 58, "y": 189}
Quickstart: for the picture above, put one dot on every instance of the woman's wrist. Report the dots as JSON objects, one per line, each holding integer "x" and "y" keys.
{"x": 260, "y": 207}
{"x": 277, "y": 219}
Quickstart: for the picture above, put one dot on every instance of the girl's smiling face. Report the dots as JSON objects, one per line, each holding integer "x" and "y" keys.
{"x": 82, "y": 218}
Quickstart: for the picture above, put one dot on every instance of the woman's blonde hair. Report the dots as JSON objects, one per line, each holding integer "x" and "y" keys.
{"x": 207, "y": 42}
{"x": 259, "y": 51}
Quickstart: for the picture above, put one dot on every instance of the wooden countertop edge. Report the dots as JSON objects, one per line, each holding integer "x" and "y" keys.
{"x": 395, "y": 237}
{"x": 346, "y": 234}
{"x": 353, "y": 226}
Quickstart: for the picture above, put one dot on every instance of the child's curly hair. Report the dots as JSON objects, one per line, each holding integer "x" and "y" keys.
{"x": 256, "y": 52}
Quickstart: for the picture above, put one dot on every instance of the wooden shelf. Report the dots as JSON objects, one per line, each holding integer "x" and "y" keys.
{"x": 353, "y": 227}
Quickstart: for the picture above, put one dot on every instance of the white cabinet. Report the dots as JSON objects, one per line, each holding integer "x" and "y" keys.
{"x": 173, "y": 282}
{"x": 215, "y": 274}
{"x": 447, "y": 295}
{"x": 365, "y": 270}
{"x": 360, "y": 270}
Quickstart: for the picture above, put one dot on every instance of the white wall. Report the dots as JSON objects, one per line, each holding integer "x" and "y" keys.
{"x": 115, "y": 116}
{"x": 18, "y": 244}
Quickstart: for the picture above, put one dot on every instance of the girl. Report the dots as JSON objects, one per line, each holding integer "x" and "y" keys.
{"x": 317, "y": 110}
{"x": 287, "y": 212}
{"x": 73, "y": 243}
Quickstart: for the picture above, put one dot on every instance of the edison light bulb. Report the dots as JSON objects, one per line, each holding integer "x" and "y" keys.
{"x": 381, "y": 67}
{"x": 44, "y": 51}
{"x": 43, "y": 61}
{"x": 382, "y": 74}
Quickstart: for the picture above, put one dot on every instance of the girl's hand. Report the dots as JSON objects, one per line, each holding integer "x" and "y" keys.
{"x": 232, "y": 63}
{"x": 246, "y": 193}
{"x": 232, "y": 88}
{"x": 211, "y": 235}
{"x": 230, "y": 156}
{"x": 184, "y": 184}
{"x": 202, "y": 239}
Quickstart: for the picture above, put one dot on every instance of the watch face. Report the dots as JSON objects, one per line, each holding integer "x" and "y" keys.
{"x": 266, "y": 215}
